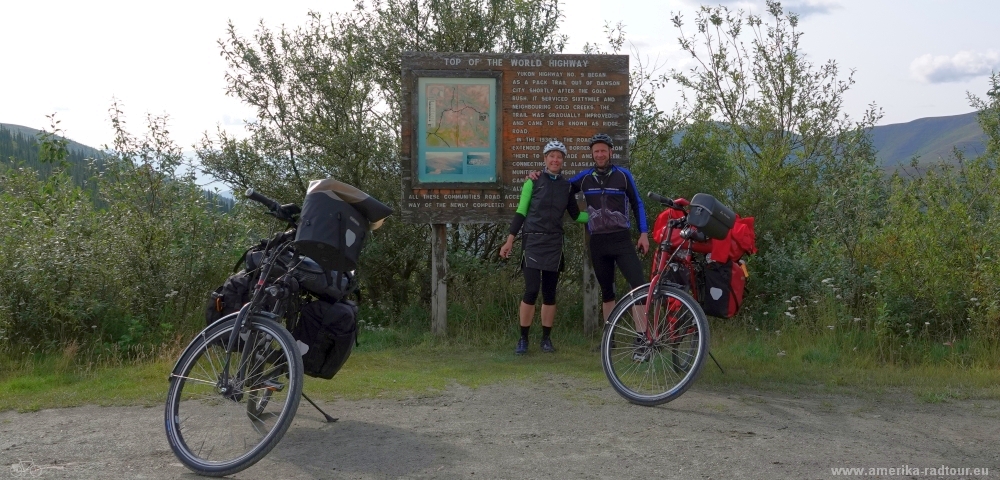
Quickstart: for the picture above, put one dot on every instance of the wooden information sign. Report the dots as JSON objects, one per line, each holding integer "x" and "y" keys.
{"x": 474, "y": 125}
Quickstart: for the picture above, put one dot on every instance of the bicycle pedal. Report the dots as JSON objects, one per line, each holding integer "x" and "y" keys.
{"x": 273, "y": 386}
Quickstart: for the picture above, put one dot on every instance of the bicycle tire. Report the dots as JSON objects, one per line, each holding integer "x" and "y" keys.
{"x": 216, "y": 433}
{"x": 673, "y": 356}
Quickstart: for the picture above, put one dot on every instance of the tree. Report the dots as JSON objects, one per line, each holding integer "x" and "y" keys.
{"x": 327, "y": 99}
{"x": 780, "y": 116}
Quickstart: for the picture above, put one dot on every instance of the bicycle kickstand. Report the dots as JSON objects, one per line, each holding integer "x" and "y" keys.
{"x": 709, "y": 354}
{"x": 329, "y": 419}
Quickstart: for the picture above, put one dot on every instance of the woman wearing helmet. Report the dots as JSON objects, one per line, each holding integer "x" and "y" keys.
{"x": 540, "y": 212}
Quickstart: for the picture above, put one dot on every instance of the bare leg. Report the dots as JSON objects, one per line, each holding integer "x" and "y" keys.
{"x": 548, "y": 315}
{"x": 607, "y": 307}
{"x": 639, "y": 315}
{"x": 527, "y": 314}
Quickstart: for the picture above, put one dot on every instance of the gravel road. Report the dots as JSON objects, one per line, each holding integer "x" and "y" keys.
{"x": 554, "y": 429}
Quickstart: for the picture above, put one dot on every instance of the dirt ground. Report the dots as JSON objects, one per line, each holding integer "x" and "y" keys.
{"x": 554, "y": 429}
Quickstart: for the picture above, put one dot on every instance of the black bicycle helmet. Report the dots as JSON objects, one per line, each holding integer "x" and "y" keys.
{"x": 602, "y": 138}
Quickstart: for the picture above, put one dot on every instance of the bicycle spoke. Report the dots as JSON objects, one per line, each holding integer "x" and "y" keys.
{"x": 657, "y": 367}
{"x": 192, "y": 379}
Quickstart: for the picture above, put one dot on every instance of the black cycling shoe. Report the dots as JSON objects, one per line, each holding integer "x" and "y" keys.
{"x": 522, "y": 346}
{"x": 641, "y": 351}
{"x": 547, "y": 345}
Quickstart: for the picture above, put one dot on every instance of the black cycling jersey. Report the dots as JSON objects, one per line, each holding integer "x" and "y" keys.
{"x": 610, "y": 195}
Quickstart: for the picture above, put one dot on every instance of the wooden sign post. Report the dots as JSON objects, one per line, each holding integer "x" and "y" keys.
{"x": 473, "y": 126}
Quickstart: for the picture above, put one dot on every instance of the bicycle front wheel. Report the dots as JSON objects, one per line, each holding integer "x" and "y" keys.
{"x": 653, "y": 358}
{"x": 221, "y": 420}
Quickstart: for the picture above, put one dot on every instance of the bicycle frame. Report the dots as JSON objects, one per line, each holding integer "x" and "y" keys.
{"x": 663, "y": 258}
{"x": 242, "y": 319}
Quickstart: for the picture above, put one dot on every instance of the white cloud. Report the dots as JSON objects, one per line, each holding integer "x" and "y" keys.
{"x": 803, "y": 8}
{"x": 808, "y": 8}
{"x": 960, "y": 66}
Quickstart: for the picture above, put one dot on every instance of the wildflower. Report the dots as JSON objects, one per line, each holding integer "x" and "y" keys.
{"x": 973, "y": 299}
{"x": 790, "y": 314}
{"x": 830, "y": 327}
{"x": 839, "y": 297}
{"x": 781, "y": 353}
{"x": 908, "y": 325}
{"x": 927, "y": 323}
{"x": 795, "y": 298}
{"x": 765, "y": 313}
{"x": 788, "y": 301}
{"x": 827, "y": 280}
{"x": 856, "y": 319}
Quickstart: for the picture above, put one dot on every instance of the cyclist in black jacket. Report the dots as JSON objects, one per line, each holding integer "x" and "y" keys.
{"x": 611, "y": 193}
{"x": 540, "y": 211}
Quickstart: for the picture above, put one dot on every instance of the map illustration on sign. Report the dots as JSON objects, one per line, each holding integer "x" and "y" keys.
{"x": 456, "y": 137}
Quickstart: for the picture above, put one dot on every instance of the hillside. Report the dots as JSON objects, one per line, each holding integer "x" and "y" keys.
{"x": 31, "y": 133}
{"x": 933, "y": 139}
{"x": 19, "y": 144}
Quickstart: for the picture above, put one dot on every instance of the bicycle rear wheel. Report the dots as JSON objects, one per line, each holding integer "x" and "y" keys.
{"x": 660, "y": 364}
{"x": 218, "y": 427}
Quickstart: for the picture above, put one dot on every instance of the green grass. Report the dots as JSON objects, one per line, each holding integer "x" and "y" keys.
{"x": 794, "y": 359}
{"x": 395, "y": 364}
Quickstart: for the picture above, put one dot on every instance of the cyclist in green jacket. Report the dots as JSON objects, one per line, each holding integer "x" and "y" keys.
{"x": 540, "y": 212}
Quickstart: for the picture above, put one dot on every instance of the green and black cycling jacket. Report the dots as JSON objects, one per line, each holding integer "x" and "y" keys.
{"x": 542, "y": 204}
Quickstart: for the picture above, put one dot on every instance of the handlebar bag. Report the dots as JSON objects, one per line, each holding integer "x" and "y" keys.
{"x": 334, "y": 221}
{"x": 325, "y": 334}
{"x": 660, "y": 232}
{"x": 710, "y": 216}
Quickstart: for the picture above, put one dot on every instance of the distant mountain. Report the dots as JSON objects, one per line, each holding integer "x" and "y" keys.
{"x": 31, "y": 133}
{"x": 20, "y": 144}
{"x": 932, "y": 139}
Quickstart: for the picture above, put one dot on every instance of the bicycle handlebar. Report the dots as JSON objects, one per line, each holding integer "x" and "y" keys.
{"x": 267, "y": 202}
{"x": 282, "y": 212}
{"x": 660, "y": 198}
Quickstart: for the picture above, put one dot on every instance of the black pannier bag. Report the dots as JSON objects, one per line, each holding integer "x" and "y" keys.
{"x": 710, "y": 216}
{"x": 326, "y": 333}
{"x": 678, "y": 274}
{"x": 334, "y": 222}
{"x": 327, "y": 285}
{"x": 228, "y": 298}
{"x": 722, "y": 292}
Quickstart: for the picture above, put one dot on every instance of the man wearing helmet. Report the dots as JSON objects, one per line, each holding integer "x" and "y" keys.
{"x": 540, "y": 212}
{"x": 611, "y": 192}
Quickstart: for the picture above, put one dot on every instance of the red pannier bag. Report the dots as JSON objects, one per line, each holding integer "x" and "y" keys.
{"x": 725, "y": 272}
{"x": 722, "y": 295}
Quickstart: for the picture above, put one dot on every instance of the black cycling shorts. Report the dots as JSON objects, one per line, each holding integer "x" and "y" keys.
{"x": 534, "y": 277}
{"x": 608, "y": 250}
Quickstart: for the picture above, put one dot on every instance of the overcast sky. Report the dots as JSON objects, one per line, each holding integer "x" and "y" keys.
{"x": 913, "y": 59}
